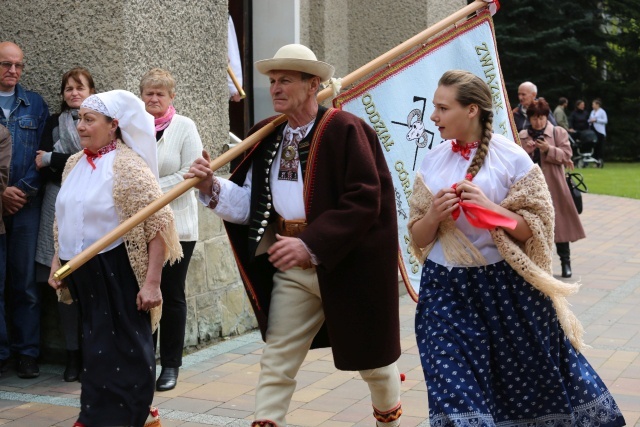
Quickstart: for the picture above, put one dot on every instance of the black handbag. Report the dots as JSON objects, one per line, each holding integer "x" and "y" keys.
{"x": 576, "y": 184}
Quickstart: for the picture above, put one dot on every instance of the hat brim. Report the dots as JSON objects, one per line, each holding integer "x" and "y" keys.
{"x": 317, "y": 68}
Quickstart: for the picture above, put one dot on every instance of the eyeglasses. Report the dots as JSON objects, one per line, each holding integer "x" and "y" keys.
{"x": 6, "y": 65}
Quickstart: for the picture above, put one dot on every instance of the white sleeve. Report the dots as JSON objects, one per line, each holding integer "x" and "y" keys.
{"x": 234, "y": 202}
{"x": 234, "y": 59}
{"x": 603, "y": 117}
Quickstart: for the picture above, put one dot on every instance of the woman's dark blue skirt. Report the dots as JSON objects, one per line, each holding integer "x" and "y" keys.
{"x": 119, "y": 372}
{"x": 494, "y": 354}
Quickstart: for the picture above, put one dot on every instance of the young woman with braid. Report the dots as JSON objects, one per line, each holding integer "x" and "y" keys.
{"x": 497, "y": 341}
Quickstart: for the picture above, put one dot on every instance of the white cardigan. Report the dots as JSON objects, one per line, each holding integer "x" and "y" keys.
{"x": 178, "y": 148}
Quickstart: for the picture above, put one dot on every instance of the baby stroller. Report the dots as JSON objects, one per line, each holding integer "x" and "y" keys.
{"x": 583, "y": 144}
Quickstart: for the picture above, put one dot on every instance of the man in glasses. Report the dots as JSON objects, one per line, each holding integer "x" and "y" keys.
{"x": 24, "y": 113}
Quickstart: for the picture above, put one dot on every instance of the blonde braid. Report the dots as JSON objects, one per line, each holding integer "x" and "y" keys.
{"x": 483, "y": 148}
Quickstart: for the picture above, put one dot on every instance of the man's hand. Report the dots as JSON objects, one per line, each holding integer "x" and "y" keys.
{"x": 13, "y": 199}
{"x": 288, "y": 252}
{"x": 200, "y": 169}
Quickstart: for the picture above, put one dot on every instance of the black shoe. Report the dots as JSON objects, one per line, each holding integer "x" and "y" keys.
{"x": 74, "y": 364}
{"x": 566, "y": 269}
{"x": 168, "y": 379}
{"x": 27, "y": 367}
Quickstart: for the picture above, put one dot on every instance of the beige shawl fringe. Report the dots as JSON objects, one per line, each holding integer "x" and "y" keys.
{"x": 134, "y": 187}
{"x": 530, "y": 198}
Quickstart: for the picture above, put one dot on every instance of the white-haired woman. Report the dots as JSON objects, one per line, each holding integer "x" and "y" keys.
{"x": 179, "y": 145}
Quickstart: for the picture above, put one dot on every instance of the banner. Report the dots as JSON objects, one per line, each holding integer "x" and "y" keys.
{"x": 397, "y": 103}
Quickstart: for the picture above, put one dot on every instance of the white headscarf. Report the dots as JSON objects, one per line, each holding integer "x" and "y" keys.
{"x": 137, "y": 126}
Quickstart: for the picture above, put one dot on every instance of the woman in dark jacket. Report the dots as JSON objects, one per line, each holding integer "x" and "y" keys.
{"x": 578, "y": 119}
{"x": 60, "y": 140}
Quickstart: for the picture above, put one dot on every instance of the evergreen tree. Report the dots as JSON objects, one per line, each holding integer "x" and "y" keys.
{"x": 622, "y": 85}
{"x": 580, "y": 50}
{"x": 558, "y": 45}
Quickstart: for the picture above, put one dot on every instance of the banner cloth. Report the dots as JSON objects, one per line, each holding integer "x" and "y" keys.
{"x": 397, "y": 103}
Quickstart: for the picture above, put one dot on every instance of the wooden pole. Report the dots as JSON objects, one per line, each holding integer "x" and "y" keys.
{"x": 236, "y": 82}
{"x": 253, "y": 139}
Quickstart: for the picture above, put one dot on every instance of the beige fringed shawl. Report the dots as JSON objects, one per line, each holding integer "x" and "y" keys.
{"x": 529, "y": 198}
{"x": 135, "y": 187}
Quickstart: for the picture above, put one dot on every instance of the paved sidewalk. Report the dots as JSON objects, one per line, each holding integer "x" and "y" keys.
{"x": 216, "y": 385}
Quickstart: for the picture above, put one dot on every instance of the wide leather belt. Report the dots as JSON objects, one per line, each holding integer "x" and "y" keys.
{"x": 292, "y": 228}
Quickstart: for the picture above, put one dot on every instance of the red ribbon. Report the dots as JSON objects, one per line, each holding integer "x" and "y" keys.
{"x": 481, "y": 217}
{"x": 91, "y": 156}
{"x": 464, "y": 150}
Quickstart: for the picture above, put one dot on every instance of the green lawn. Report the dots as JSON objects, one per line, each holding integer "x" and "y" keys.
{"x": 615, "y": 179}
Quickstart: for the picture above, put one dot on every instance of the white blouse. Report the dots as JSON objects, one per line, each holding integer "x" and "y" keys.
{"x": 505, "y": 164}
{"x": 85, "y": 210}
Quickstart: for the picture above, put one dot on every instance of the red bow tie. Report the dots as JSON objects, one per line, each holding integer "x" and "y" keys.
{"x": 464, "y": 150}
{"x": 91, "y": 156}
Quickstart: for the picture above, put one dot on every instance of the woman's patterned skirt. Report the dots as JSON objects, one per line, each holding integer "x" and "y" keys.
{"x": 494, "y": 354}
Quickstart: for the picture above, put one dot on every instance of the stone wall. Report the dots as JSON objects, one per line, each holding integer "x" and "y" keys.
{"x": 216, "y": 300}
{"x": 118, "y": 41}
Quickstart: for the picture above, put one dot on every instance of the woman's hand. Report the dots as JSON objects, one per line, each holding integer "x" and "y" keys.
{"x": 39, "y": 155}
{"x": 149, "y": 296}
{"x": 542, "y": 145}
{"x": 529, "y": 146}
{"x": 55, "y": 266}
{"x": 444, "y": 203}
{"x": 469, "y": 192}
{"x": 424, "y": 231}
{"x": 569, "y": 165}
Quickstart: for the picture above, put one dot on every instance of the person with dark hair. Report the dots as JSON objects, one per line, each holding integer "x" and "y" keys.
{"x": 112, "y": 179}
{"x": 560, "y": 114}
{"x": 497, "y": 340}
{"x": 59, "y": 141}
{"x": 579, "y": 118}
{"x": 598, "y": 121}
{"x": 550, "y": 148}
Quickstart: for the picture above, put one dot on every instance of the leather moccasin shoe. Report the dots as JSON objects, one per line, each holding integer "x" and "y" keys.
{"x": 27, "y": 367}
{"x": 168, "y": 379}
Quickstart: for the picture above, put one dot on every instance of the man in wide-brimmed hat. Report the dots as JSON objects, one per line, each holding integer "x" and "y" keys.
{"x": 311, "y": 217}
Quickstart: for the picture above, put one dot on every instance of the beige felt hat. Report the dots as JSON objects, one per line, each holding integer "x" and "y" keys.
{"x": 296, "y": 57}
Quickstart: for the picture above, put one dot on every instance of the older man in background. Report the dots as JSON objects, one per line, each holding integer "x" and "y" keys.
{"x": 527, "y": 92}
{"x": 24, "y": 114}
